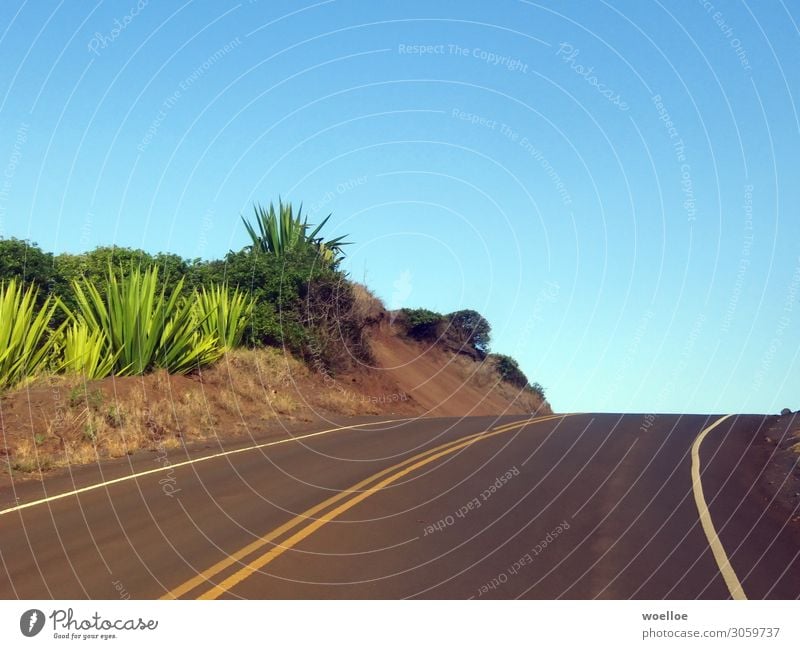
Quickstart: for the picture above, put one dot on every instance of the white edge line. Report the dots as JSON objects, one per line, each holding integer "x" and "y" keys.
{"x": 724, "y": 564}
{"x": 98, "y": 485}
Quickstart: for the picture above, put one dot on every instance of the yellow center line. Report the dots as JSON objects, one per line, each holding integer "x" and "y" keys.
{"x": 238, "y": 556}
{"x": 724, "y": 564}
{"x": 428, "y": 457}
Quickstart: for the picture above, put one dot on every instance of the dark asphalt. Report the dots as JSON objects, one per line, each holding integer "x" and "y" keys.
{"x": 578, "y": 507}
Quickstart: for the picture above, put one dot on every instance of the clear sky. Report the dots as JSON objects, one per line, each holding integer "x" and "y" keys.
{"x": 615, "y": 185}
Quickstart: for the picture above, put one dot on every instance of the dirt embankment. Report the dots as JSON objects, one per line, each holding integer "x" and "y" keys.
{"x": 60, "y": 421}
{"x": 447, "y": 384}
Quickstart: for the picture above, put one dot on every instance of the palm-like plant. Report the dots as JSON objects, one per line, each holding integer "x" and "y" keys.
{"x": 25, "y": 343}
{"x": 86, "y": 351}
{"x": 223, "y": 313}
{"x": 144, "y": 327}
{"x": 282, "y": 231}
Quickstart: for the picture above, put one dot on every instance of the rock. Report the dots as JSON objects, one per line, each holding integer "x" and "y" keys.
{"x": 785, "y": 412}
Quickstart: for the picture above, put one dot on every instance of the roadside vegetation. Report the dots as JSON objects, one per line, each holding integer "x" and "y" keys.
{"x": 466, "y": 332}
{"x": 126, "y": 312}
{"x": 248, "y": 326}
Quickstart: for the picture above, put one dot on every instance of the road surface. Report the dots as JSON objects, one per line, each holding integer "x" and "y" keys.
{"x": 577, "y": 506}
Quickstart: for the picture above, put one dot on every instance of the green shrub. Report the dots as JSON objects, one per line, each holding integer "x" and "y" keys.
{"x": 538, "y": 390}
{"x": 470, "y": 328}
{"x": 116, "y": 318}
{"x": 275, "y": 284}
{"x": 509, "y": 370}
{"x": 336, "y": 323}
{"x": 25, "y": 262}
{"x": 423, "y": 324}
{"x": 299, "y": 303}
{"x": 93, "y": 266}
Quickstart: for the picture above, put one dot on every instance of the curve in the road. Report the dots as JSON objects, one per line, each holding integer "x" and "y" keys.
{"x": 720, "y": 556}
{"x": 362, "y": 491}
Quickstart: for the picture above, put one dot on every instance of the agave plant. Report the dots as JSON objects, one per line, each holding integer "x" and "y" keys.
{"x": 25, "y": 341}
{"x": 143, "y": 327}
{"x": 281, "y": 231}
{"x": 86, "y": 351}
{"x": 223, "y": 314}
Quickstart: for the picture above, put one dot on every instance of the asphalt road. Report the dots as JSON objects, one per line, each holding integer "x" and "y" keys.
{"x": 577, "y": 507}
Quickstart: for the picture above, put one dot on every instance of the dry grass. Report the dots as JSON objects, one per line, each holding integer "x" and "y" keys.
{"x": 262, "y": 378}
{"x": 367, "y": 307}
{"x": 89, "y": 425}
{"x": 484, "y": 375}
{"x": 225, "y": 399}
{"x": 84, "y": 422}
{"x": 76, "y": 454}
{"x": 283, "y": 404}
{"x": 29, "y": 459}
{"x": 344, "y": 403}
{"x": 249, "y": 372}
{"x": 139, "y": 420}
{"x": 478, "y": 374}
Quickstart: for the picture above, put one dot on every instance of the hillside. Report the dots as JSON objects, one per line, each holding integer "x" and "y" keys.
{"x": 443, "y": 383}
{"x": 115, "y": 350}
{"x": 58, "y": 421}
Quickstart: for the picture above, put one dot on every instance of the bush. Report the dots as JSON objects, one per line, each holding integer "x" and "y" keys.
{"x": 509, "y": 370}
{"x": 423, "y": 324}
{"x": 299, "y": 302}
{"x": 538, "y": 390}
{"x": 277, "y": 286}
{"x": 461, "y": 331}
{"x": 470, "y": 328}
{"x": 337, "y": 316}
{"x": 25, "y": 262}
{"x": 94, "y": 264}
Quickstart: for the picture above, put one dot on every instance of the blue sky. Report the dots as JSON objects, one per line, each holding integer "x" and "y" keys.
{"x": 613, "y": 184}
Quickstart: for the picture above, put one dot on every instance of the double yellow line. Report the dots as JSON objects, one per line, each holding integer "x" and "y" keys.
{"x": 356, "y": 494}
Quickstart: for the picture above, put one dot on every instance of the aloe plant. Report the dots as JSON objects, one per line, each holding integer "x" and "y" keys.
{"x": 281, "y": 231}
{"x": 223, "y": 313}
{"x": 144, "y": 327}
{"x": 25, "y": 340}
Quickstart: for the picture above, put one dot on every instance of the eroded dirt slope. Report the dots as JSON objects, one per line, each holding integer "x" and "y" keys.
{"x": 444, "y": 384}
